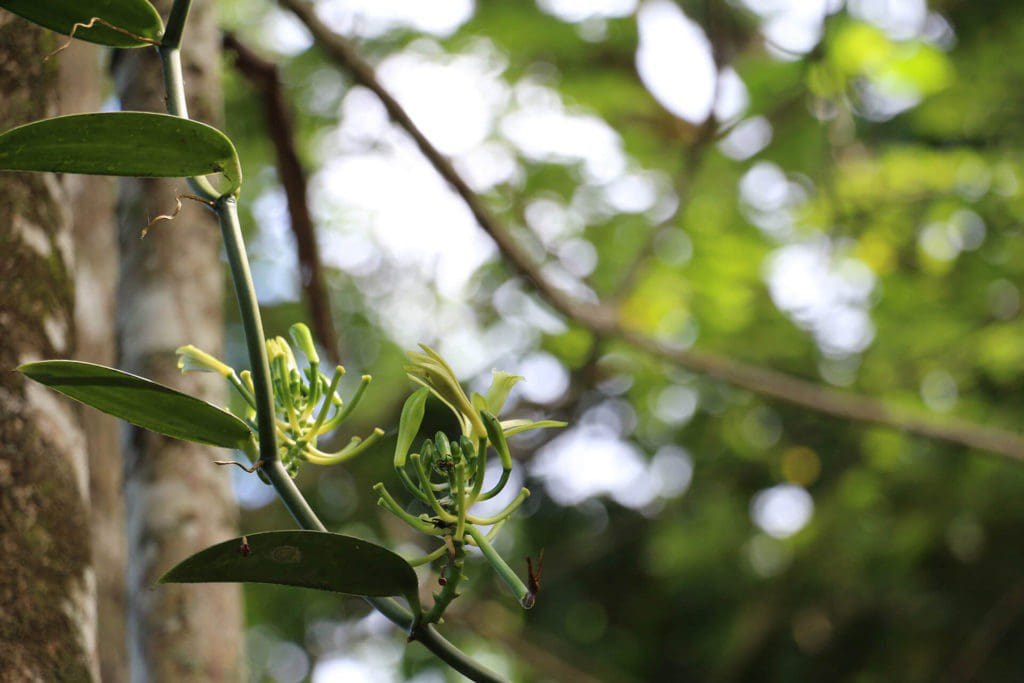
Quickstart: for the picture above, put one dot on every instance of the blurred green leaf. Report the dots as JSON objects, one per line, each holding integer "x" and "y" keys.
{"x": 307, "y": 559}
{"x": 918, "y": 69}
{"x": 141, "y": 402}
{"x": 138, "y": 144}
{"x": 137, "y": 22}
{"x": 857, "y": 48}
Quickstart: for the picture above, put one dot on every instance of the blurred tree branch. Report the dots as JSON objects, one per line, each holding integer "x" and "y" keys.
{"x": 604, "y": 321}
{"x": 263, "y": 77}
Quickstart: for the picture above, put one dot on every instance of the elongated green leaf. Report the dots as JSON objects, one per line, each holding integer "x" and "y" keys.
{"x": 309, "y": 559}
{"x": 141, "y": 402}
{"x": 126, "y": 143}
{"x": 137, "y": 22}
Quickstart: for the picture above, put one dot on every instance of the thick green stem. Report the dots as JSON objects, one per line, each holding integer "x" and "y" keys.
{"x": 176, "y": 23}
{"x": 174, "y": 86}
{"x": 245, "y": 292}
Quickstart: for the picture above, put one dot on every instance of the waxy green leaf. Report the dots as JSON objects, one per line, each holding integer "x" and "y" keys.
{"x": 141, "y": 402}
{"x": 127, "y": 143}
{"x": 308, "y": 559}
{"x": 135, "y": 22}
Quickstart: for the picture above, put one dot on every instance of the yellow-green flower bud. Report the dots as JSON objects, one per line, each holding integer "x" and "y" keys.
{"x": 191, "y": 359}
{"x": 430, "y": 370}
{"x": 303, "y": 339}
{"x": 273, "y": 350}
{"x": 289, "y": 357}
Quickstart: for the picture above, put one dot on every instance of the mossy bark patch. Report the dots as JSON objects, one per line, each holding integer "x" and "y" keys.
{"x": 45, "y": 618}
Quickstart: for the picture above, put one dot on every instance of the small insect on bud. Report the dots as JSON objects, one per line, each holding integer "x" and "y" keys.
{"x": 533, "y": 580}
{"x": 245, "y": 548}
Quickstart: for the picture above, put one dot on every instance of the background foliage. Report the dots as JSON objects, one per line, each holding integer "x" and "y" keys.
{"x": 850, "y": 214}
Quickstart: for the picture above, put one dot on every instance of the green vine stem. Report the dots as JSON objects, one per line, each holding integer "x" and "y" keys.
{"x": 170, "y": 59}
{"x": 226, "y": 209}
{"x": 175, "y": 26}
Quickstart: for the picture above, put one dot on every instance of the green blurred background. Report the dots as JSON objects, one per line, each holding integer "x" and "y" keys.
{"x": 829, "y": 189}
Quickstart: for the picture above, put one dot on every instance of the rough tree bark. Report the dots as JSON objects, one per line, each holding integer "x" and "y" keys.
{"x": 94, "y": 232}
{"x": 170, "y": 294}
{"x": 47, "y": 620}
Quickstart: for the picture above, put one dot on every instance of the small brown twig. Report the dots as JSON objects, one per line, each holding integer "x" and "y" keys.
{"x": 174, "y": 214}
{"x": 249, "y": 470}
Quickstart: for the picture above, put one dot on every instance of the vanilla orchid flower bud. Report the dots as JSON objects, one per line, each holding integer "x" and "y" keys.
{"x": 303, "y": 339}
{"x": 431, "y": 371}
{"x": 192, "y": 359}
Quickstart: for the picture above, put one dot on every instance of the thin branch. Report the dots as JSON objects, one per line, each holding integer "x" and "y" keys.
{"x": 603, "y": 320}
{"x": 263, "y": 76}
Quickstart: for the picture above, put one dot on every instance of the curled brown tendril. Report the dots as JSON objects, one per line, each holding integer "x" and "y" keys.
{"x": 91, "y": 24}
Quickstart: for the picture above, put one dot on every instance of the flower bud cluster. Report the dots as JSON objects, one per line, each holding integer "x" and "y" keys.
{"x": 446, "y": 475}
{"x": 307, "y": 404}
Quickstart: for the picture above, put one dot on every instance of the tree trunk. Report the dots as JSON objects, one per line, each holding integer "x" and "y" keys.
{"x": 94, "y": 232}
{"x": 47, "y": 621}
{"x": 171, "y": 294}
